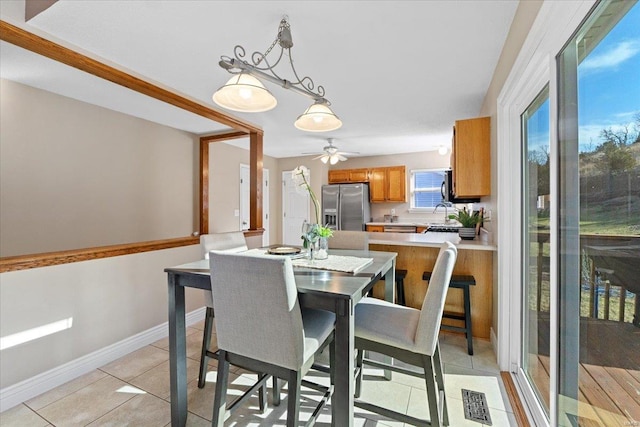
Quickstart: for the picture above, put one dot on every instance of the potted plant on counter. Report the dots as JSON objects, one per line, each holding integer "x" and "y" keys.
{"x": 469, "y": 220}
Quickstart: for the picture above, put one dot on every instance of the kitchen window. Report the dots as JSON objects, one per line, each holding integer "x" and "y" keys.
{"x": 425, "y": 188}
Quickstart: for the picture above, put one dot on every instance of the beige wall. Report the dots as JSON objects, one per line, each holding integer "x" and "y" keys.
{"x": 109, "y": 299}
{"x": 224, "y": 188}
{"x": 520, "y": 27}
{"x": 74, "y": 175}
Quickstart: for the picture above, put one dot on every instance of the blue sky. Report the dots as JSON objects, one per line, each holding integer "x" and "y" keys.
{"x": 609, "y": 81}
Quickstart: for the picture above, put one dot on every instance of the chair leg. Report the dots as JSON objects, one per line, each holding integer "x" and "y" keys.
{"x": 262, "y": 396}
{"x": 293, "y": 406}
{"x": 219, "y": 401}
{"x": 276, "y": 391}
{"x": 206, "y": 342}
{"x": 332, "y": 371}
{"x": 359, "y": 367}
{"x": 437, "y": 361}
{"x": 432, "y": 392}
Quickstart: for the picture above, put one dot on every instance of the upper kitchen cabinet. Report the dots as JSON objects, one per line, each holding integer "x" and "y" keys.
{"x": 388, "y": 184}
{"x": 471, "y": 157}
{"x": 348, "y": 175}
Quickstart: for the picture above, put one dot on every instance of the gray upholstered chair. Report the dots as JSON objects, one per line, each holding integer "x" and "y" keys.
{"x": 260, "y": 327}
{"x": 411, "y": 336}
{"x": 233, "y": 241}
{"x": 343, "y": 239}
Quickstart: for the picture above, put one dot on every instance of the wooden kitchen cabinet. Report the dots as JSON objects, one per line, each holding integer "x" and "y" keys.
{"x": 388, "y": 184}
{"x": 375, "y": 228}
{"x": 471, "y": 157}
{"x": 348, "y": 175}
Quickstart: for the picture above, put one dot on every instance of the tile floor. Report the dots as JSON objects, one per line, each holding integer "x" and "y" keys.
{"x": 134, "y": 391}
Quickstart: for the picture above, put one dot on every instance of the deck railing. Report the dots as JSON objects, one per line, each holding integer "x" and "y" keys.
{"x": 610, "y": 284}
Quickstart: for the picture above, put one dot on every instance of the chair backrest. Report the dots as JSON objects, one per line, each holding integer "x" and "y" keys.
{"x": 433, "y": 304}
{"x": 233, "y": 241}
{"x": 257, "y": 311}
{"x": 343, "y": 239}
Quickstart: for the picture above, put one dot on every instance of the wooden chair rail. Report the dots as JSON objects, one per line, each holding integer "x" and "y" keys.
{"x": 25, "y": 262}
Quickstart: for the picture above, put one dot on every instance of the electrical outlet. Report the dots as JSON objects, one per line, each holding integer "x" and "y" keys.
{"x": 393, "y": 211}
{"x": 236, "y": 213}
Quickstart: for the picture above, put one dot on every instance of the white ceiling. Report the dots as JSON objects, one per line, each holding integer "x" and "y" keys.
{"x": 398, "y": 73}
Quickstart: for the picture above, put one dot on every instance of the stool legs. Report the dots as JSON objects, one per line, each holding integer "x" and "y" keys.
{"x": 467, "y": 320}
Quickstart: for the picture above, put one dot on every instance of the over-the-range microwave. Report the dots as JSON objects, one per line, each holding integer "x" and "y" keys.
{"x": 447, "y": 191}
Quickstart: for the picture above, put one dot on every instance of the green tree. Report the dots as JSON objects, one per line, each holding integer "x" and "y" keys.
{"x": 616, "y": 156}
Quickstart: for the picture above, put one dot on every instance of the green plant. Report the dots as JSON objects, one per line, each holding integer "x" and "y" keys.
{"x": 468, "y": 219}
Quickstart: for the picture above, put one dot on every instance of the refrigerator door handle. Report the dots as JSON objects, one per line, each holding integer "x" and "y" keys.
{"x": 339, "y": 211}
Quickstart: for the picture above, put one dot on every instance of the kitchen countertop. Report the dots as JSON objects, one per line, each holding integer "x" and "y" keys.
{"x": 404, "y": 224}
{"x": 431, "y": 239}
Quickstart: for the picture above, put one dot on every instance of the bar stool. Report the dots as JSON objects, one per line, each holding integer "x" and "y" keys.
{"x": 461, "y": 282}
{"x": 400, "y": 275}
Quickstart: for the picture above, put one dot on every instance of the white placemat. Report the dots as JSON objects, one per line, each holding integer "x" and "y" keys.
{"x": 348, "y": 264}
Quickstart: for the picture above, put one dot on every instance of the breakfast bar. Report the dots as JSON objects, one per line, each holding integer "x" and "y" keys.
{"x": 417, "y": 253}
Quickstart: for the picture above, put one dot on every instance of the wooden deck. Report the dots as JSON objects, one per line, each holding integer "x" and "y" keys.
{"x": 609, "y": 375}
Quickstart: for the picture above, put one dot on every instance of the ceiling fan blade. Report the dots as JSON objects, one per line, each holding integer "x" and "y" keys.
{"x": 340, "y": 157}
{"x": 349, "y": 153}
{"x": 316, "y": 158}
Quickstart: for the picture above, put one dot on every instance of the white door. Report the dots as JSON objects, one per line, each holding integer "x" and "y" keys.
{"x": 295, "y": 210}
{"x": 244, "y": 197}
{"x": 265, "y": 207}
{"x": 244, "y": 201}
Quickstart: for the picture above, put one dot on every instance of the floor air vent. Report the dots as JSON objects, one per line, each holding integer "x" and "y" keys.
{"x": 475, "y": 407}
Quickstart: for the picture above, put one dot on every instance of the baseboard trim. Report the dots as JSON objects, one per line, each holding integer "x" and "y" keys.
{"x": 494, "y": 340}
{"x": 15, "y": 394}
{"x": 514, "y": 398}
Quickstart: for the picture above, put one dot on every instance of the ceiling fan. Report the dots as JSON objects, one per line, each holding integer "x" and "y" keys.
{"x": 331, "y": 153}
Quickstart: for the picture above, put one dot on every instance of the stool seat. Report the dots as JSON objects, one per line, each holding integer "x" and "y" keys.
{"x": 460, "y": 281}
{"x": 400, "y": 275}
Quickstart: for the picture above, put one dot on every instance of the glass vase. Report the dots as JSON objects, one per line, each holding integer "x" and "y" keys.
{"x": 321, "y": 248}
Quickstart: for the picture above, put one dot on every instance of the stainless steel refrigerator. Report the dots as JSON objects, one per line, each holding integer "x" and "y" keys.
{"x": 346, "y": 206}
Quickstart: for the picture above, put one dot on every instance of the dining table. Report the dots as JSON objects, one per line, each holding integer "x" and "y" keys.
{"x": 332, "y": 290}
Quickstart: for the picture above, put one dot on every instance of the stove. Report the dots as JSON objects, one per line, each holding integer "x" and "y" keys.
{"x": 443, "y": 229}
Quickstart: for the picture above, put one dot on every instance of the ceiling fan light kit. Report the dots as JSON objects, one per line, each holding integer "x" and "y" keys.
{"x": 245, "y": 93}
{"x": 331, "y": 154}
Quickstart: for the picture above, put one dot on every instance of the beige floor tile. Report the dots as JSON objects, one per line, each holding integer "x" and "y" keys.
{"x": 453, "y": 354}
{"x": 88, "y": 404}
{"x": 21, "y": 416}
{"x": 487, "y": 383}
{"x": 388, "y": 394}
{"x": 457, "y": 419}
{"x": 144, "y": 410}
{"x": 156, "y": 380}
{"x": 164, "y": 342}
{"x": 200, "y": 401}
{"x": 194, "y": 345}
{"x": 136, "y": 363}
{"x": 59, "y": 392}
{"x": 195, "y": 421}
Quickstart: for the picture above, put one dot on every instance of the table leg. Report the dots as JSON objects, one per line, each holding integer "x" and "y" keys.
{"x": 342, "y": 399}
{"x": 177, "y": 354}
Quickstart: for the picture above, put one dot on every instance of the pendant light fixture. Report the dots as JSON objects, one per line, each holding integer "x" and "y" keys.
{"x": 245, "y": 93}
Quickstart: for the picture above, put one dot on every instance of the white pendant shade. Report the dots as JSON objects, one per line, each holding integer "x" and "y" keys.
{"x": 318, "y": 118}
{"x": 244, "y": 93}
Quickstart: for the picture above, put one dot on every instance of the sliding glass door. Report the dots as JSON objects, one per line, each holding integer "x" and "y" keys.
{"x": 599, "y": 220}
{"x": 535, "y": 249}
{"x": 574, "y": 319}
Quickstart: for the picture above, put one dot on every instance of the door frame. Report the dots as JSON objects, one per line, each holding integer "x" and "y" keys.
{"x": 533, "y": 68}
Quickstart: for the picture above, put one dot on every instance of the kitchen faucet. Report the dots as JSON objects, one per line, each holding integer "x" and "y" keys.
{"x": 446, "y": 211}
